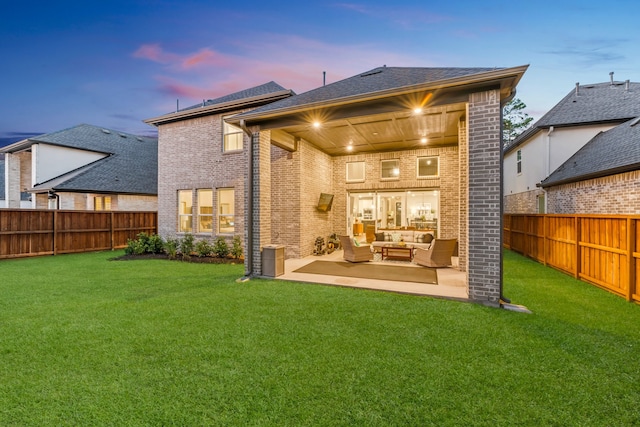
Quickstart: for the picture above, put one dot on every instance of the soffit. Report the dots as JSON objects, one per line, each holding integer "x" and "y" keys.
{"x": 397, "y": 130}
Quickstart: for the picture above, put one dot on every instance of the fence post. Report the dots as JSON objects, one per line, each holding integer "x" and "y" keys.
{"x": 631, "y": 271}
{"x": 576, "y": 229}
{"x": 55, "y": 232}
{"x": 111, "y": 231}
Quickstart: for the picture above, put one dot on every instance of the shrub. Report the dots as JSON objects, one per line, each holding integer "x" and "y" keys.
{"x": 236, "y": 247}
{"x": 134, "y": 247}
{"x": 203, "y": 248}
{"x": 155, "y": 244}
{"x": 171, "y": 248}
{"x": 220, "y": 247}
{"x": 187, "y": 246}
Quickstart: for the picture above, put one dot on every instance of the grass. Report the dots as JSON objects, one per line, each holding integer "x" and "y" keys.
{"x": 87, "y": 341}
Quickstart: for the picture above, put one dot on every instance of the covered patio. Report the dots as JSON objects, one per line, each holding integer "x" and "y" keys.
{"x": 343, "y": 139}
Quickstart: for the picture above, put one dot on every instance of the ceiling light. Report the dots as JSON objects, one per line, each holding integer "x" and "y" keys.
{"x": 417, "y": 110}
{"x": 423, "y": 140}
{"x": 349, "y": 147}
{"x": 316, "y": 124}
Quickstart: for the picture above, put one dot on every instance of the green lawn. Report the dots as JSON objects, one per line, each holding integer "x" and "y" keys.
{"x": 90, "y": 342}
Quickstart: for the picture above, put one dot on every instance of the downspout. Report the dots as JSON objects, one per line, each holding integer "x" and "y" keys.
{"x": 503, "y": 300}
{"x": 547, "y": 170}
{"x": 249, "y": 195}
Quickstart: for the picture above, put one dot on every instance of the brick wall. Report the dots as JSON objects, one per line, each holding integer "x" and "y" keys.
{"x": 485, "y": 238}
{"x": 190, "y": 157}
{"x": 522, "y": 203}
{"x": 447, "y": 182}
{"x": 615, "y": 194}
{"x": 463, "y": 205}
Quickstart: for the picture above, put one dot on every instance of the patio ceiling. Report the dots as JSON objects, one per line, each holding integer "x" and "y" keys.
{"x": 396, "y": 130}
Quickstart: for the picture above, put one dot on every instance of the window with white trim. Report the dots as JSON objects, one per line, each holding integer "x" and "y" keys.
{"x": 390, "y": 169}
{"x": 355, "y": 172}
{"x": 232, "y": 137}
{"x": 205, "y": 210}
{"x": 102, "y": 203}
{"x": 226, "y": 211}
{"x": 519, "y": 162}
{"x": 185, "y": 211}
{"x": 428, "y": 167}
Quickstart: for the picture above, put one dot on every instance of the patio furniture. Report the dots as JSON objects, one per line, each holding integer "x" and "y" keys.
{"x": 353, "y": 253}
{"x": 370, "y": 232}
{"x": 438, "y": 255}
{"x": 397, "y": 252}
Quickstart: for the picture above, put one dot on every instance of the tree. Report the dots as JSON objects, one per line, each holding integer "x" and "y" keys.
{"x": 515, "y": 120}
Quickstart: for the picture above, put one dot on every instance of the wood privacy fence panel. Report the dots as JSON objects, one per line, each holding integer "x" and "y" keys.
{"x": 601, "y": 250}
{"x": 47, "y": 232}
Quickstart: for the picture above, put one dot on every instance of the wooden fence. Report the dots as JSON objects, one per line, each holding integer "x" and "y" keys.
{"x": 599, "y": 249}
{"x": 27, "y": 232}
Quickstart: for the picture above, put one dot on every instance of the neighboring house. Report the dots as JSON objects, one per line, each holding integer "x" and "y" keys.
{"x": 392, "y": 147}
{"x": 582, "y": 114}
{"x": 82, "y": 168}
{"x": 603, "y": 177}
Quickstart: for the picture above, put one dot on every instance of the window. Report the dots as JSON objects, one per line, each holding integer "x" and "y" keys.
{"x": 185, "y": 211}
{"x": 232, "y": 137}
{"x": 205, "y": 211}
{"x": 226, "y": 211}
{"x": 102, "y": 203}
{"x": 519, "y": 162}
{"x": 428, "y": 167}
{"x": 355, "y": 172}
{"x": 390, "y": 169}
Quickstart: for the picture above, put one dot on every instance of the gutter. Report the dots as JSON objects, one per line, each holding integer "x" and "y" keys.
{"x": 249, "y": 225}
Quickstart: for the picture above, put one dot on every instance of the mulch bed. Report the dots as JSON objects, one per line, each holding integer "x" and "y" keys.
{"x": 194, "y": 259}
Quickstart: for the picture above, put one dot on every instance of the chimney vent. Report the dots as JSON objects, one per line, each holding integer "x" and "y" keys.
{"x": 626, "y": 85}
{"x": 611, "y": 74}
{"x": 577, "y": 88}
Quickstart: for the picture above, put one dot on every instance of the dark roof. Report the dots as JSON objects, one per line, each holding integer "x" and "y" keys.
{"x": 614, "y": 151}
{"x": 370, "y": 82}
{"x": 589, "y": 104}
{"x": 253, "y": 92}
{"x": 130, "y": 167}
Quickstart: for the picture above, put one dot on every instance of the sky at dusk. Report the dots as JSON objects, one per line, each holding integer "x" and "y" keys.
{"x": 115, "y": 63}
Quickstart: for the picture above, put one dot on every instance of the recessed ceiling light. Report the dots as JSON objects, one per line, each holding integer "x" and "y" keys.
{"x": 423, "y": 140}
{"x": 417, "y": 110}
{"x": 316, "y": 124}
{"x": 349, "y": 147}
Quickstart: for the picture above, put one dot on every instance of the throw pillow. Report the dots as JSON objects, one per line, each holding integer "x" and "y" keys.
{"x": 395, "y": 237}
{"x": 355, "y": 242}
{"x": 379, "y": 237}
{"x": 428, "y": 238}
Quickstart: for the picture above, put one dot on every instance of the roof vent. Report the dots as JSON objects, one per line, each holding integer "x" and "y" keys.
{"x": 635, "y": 121}
{"x": 138, "y": 138}
{"x": 106, "y": 131}
{"x": 123, "y": 135}
{"x": 626, "y": 85}
{"x": 611, "y": 75}
{"x": 577, "y": 88}
{"x": 371, "y": 73}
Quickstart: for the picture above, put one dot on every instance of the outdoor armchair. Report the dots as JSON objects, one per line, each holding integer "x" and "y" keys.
{"x": 353, "y": 253}
{"x": 438, "y": 255}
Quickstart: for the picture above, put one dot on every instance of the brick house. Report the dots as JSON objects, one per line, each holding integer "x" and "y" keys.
{"x": 583, "y": 113}
{"x": 603, "y": 177}
{"x": 393, "y": 146}
{"x": 81, "y": 168}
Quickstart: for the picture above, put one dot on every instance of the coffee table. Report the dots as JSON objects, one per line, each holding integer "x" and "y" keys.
{"x": 397, "y": 252}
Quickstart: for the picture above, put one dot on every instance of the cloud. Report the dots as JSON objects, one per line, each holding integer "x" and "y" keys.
{"x": 407, "y": 18}
{"x": 590, "y": 52}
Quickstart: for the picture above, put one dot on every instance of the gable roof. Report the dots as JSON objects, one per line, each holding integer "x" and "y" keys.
{"x": 614, "y": 151}
{"x": 598, "y": 103}
{"x": 247, "y": 98}
{"x": 373, "y": 82}
{"x": 130, "y": 165}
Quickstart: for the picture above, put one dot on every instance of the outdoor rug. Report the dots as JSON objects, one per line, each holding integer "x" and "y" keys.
{"x": 367, "y": 270}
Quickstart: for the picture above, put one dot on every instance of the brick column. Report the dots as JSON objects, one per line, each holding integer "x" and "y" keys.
{"x": 484, "y": 198}
{"x": 261, "y": 197}
{"x": 12, "y": 180}
{"x": 463, "y": 183}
